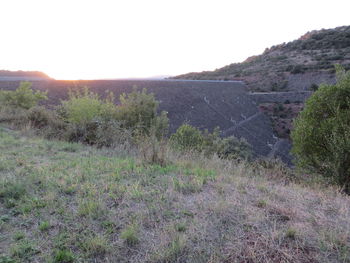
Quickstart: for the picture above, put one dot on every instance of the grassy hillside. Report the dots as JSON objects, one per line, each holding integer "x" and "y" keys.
{"x": 62, "y": 202}
{"x": 288, "y": 65}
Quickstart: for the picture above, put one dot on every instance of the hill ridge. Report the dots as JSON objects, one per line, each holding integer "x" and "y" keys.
{"x": 295, "y": 65}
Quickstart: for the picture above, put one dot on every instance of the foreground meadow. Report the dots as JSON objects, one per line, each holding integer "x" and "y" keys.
{"x": 64, "y": 202}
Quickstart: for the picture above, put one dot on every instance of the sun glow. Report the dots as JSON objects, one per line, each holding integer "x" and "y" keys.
{"x": 119, "y": 39}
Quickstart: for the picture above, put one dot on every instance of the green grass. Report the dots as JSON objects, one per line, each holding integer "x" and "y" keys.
{"x": 62, "y": 202}
{"x": 130, "y": 235}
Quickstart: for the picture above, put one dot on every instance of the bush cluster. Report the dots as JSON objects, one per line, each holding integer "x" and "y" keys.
{"x": 24, "y": 97}
{"x": 189, "y": 138}
{"x": 86, "y": 117}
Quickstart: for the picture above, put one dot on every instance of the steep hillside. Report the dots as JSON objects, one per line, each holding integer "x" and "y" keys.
{"x": 22, "y": 75}
{"x": 296, "y": 65}
{"x": 64, "y": 203}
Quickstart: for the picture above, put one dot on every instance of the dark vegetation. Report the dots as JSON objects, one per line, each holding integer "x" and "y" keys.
{"x": 315, "y": 52}
{"x": 321, "y": 137}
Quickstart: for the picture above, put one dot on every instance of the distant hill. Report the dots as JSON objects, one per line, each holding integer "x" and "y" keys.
{"x": 22, "y": 75}
{"x": 295, "y": 65}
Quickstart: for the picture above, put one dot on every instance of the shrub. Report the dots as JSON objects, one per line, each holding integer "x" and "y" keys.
{"x": 187, "y": 138}
{"x": 84, "y": 106}
{"x": 297, "y": 69}
{"x": 139, "y": 110}
{"x": 153, "y": 150}
{"x": 100, "y": 122}
{"x": 23, "y": 97}
{"x": 234, "y": 148}
{"x": 190, "y": 138}
{"x": 322, "y": 131}
{"x": 41, "y": 118}
{"x": 10, "y": 114}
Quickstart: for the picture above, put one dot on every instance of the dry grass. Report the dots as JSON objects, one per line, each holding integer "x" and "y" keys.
{"x": 108, "y": 206}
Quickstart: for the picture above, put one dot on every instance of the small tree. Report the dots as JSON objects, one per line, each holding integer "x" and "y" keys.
{"x": 23, "y": 97}
{"x": 321, "y": 135}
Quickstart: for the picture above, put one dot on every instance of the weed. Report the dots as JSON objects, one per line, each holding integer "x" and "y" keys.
{"x": 12, "y": 190}
{"x": 189, "y": 185}
{"x": 173, "y": 250}
{"x": 44, "y": 226}
{"x": 24, "y": 250}
{"x": 180, "y": 227}
{"x": 90, "y": 208}
{"x": 95, "y": 245}
{"x": 261, "y": 203}
{"x": 18, "y": 236}
{"x": 71, "y": 147}
{"x": 291, "y": 233}
{"x": 63, "y": 256}
{"x": 130, "y": 235}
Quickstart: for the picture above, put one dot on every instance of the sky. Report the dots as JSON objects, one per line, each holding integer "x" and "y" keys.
{"x": 94, "y": 39}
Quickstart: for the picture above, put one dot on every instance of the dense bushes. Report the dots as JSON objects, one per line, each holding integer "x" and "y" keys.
{"x": 188, "y": 138}
{"x": 99, "y": 121}
{"x": 23, "y": 97}
{"x": 321, "y": 137}
{"x": 86, "y": 117}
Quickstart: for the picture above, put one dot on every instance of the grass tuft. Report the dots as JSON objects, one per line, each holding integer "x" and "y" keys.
{"x": 63, "y": 256}
{"x": 130, "y": 235}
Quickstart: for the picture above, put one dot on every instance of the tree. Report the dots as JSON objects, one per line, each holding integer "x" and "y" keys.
{"x": 321, "y": 135}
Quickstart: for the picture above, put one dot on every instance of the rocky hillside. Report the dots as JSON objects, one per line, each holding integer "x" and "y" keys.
{"x": 297, "y": 65}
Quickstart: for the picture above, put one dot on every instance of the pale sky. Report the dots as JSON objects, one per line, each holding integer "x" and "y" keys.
{"x": 91, "y": 39}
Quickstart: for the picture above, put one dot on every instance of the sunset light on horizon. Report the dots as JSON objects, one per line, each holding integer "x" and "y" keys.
{"x": 137, "y": 39}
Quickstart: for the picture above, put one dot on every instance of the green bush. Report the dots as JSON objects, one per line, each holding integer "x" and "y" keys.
{"x": 84, "y": 106}
{"x": 100, "y": 122}
{"x": 321, "y": 135}
{"x": 234, "y": 148}
{"x": 139, "y": 110}
{"x": 23, "y": 97}
{"x": 187, "y": 138}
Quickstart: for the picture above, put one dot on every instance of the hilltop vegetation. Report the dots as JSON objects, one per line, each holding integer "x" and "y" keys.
{"x": 312, "y": 55}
